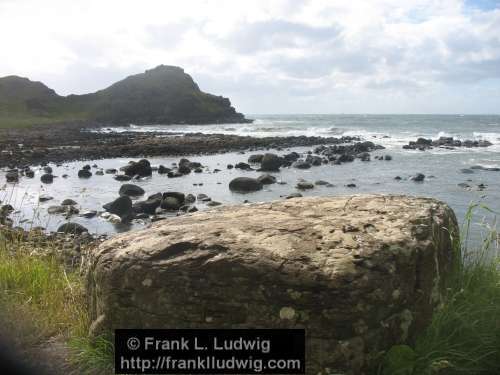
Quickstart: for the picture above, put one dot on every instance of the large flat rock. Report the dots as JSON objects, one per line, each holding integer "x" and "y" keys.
{"x": 359, "y": 273}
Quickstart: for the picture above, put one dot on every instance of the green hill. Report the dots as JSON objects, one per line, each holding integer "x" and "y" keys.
{"x": 163, "y": 95}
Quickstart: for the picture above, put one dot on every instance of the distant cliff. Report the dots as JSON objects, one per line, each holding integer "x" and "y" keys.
{"x": 163, "y": 95}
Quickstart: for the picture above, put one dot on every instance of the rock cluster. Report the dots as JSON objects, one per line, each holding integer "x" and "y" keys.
{"x": 423, "y": 144}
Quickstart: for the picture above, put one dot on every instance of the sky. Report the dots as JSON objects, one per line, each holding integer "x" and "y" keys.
{"x": 270, "y": 56}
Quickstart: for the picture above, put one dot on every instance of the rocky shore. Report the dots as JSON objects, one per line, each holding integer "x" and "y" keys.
{"x": 80, "y": 141}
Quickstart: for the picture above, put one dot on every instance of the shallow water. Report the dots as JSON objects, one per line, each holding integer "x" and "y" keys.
{"x": 370, "y": 177}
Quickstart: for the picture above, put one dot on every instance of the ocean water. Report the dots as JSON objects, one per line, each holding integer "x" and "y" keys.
{"x": 441, "y": 166}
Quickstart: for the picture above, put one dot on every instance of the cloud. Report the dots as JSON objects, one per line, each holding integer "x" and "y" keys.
{"x": 269, "y": 56}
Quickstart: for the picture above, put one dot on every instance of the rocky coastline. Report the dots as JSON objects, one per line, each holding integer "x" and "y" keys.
{"x": 83, "y": 141}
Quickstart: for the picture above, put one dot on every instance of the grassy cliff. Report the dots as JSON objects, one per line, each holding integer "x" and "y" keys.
{"x": 163, "y": 95}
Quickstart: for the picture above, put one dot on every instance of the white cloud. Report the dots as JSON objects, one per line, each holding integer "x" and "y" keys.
{"x": 269, "y": 55}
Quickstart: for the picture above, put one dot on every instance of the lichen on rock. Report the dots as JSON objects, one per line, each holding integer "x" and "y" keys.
{"x": 360, "y": 273}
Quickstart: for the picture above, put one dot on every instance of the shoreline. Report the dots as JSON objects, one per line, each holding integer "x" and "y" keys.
{"x": 74, "y": 142}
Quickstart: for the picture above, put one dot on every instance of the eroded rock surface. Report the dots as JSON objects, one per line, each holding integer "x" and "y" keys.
{"x": 359, "y": 273}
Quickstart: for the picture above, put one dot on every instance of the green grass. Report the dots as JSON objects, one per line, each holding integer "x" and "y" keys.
{"x": 40, "y": 300}
{"x": 464, "y": 335}
{"x": 27, "y": 121}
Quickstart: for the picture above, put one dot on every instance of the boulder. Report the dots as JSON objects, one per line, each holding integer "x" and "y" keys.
{"x": 419, "y": 177}
{"x": 122, "y": 177}
{"x": 359, "y": 273}
{"x": 163, "y": 170}
{"x": 131, "y": 190}
{"x": 121, "y": 207}
{"x": 148, "y": 206}
{"x": 84, "y": 173}
{"x": 266, "y": 179}
{"x": 270, "y": 163}
{"x": 244, "y": 166}
{"x": 12, "y": 176}
{"x": 300, "y": 164}
{"x": 68, "y": 202}
{"x": 304, "y": 185}
{"x": 256, "y": 158}
{"x": 177, "y": 195}
{"x": 47, "y": 178}
{"x": 141, "y": 168}
{"x": 171, "y": 203}
{"x": 245, "y": 184}
{"x": 73, "y": 228}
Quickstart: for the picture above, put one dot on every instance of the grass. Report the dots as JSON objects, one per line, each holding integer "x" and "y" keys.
{"x": 27, "y": 121}
{"x": 41, "y": 300}
{"x": 464, "y": 335}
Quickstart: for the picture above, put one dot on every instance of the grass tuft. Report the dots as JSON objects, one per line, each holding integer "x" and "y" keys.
{"x": 464, "y": 335}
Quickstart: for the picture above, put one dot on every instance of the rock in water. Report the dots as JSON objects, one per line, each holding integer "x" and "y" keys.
{"x": 270, "y": 163}
{"x": 73, "y": 228}
{"x": 141, "y": 168}
{"x": 131, "y": 190}
{"x": 47, "y": 178}
{"x": 84, "y": 173}
{"x": 284, "y": 264}
{"x": 122, "y": 207}
{"x": 245, "y": 184}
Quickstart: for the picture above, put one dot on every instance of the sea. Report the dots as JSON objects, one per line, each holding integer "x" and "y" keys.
{"x": 442, "y": 167}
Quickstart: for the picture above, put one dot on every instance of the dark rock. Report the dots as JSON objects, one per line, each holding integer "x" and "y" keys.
{"x": 86, "y": 167}
{"x": 243, "y": 166}
{"x": 141, "y": 168}
{"x": 213, "y": 204}
{"x": 84, "y": 173}
{"x": 321, "y": 182}
{"x": 466, "y": 171}
{"x": 256, "y": 158}
{"x": 44, "y": 198}
{"x": 73, "y": 228}
{"x": 419, "y": 177}
{"x": 179, "y": 196}
{"x": 88, "y": 214}
{"x": 351, "y": 185}
{"x": 190, "y": 198}
{"x": 301, "y": 165}
{"x": 100, "y": 172}
{"x": 245, "y": 184}
{"x": 54, "y": 210}
{"x": 12, "y": 176}
{"x": 293, "y": 195}
{"x": 230, "y": 166}
{"x": 47, "y": 169}
{"x": 304, "y": 185}
{"x": 266, "y": 179}
{"x": 68, "y": 202}
{"x": 388, "y": 157}
{"x": 47, "y": 178}
{"x": 171, "y": 203}
{"x": 163, "y": 170}
{"x": 111, "y": 171}
{"x": 122, "y": 207}
{"x": 29, "y": 173}
{"x": 131, "y": 190}
{"x": 270, "y": 163}
{"x": 122, "y": 177}
{"x": 148, "y": 206}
